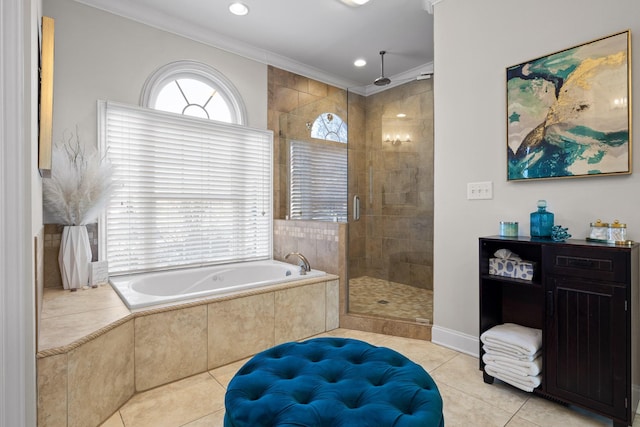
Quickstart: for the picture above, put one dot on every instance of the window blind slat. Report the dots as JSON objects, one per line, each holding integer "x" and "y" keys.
{"x": 189, "y": 191}
{"x": 318, "y": 181}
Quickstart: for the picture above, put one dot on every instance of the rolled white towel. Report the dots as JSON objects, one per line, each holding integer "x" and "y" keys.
{"x": 527, "y": 383}
{"x": 520, "y": 339}
{"x": 507, "y": 352}
{"x": 517, "y": 367}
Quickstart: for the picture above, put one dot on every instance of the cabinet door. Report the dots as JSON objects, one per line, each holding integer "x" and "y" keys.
{"x": 585, "y": 346}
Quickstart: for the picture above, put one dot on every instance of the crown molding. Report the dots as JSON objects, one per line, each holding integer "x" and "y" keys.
{"x": 401, "y": 78}
{"x": 171, "y": 24}
{"x": 428, "y": 5}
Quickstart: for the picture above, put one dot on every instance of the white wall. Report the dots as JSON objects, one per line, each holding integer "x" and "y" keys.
{"x": 99, "y": 55}
{"x": 20, "y": 209}
{"x": 474, "y": 43}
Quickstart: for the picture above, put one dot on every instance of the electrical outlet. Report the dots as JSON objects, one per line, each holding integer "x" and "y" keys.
{"x": 480, "y": 190}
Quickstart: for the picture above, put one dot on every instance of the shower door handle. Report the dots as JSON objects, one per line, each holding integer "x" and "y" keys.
{"x": 356, "y": 208}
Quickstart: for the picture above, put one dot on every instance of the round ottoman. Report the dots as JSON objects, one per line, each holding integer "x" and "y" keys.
{"x": 332, "y": 382}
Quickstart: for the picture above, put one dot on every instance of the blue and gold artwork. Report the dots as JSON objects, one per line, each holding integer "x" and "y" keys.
{"x": 568, "y": 113}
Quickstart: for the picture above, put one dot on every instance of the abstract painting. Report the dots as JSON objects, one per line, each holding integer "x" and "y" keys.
{"x": 568, "y": 113}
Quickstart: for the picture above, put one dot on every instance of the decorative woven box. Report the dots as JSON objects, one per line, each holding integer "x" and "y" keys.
{"x": 511, "y": 268}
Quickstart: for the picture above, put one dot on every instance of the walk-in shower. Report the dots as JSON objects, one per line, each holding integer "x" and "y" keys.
{"x": 388, "y": 174}
{"x": 391, "y": 173}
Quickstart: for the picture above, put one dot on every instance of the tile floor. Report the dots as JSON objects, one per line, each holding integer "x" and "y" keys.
{"x": 379, "y": 297}
{"x": 198, "y": 401}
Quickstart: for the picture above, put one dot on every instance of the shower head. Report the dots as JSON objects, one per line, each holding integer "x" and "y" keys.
{"x": 382, "y": 80}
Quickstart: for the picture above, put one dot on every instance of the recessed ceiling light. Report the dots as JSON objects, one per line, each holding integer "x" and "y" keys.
{"x": 360, "y": 63}
{"x": 238, "y": 8}
{"x": 401, "y": 115}
{"x": 354, "y": 3}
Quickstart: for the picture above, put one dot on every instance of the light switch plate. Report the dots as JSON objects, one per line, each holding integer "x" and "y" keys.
{"x": 480, "y": 190}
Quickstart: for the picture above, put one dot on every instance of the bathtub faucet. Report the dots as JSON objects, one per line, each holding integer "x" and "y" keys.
{"x": 304, "y": 262}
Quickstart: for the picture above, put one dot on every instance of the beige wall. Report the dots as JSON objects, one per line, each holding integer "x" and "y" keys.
{"x": 474, "y": 43}
{"x": 103, "y": 56}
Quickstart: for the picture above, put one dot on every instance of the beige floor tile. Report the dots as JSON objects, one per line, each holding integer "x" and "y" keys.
{"x": 545, "y": 413}
{"x": 518, "y": 421}
{"x": 462, "y": 409}
{"x": 370, "y": 337}
{"x": 198, "y": 401}
{"x": 425, "y": 353}
{"x": 225, "y": 373}
{"x": 462, "y": 372}
{"x": 114, "y": 421}
{"x": 212, "y": 420}
{"x": 175, "y": 404}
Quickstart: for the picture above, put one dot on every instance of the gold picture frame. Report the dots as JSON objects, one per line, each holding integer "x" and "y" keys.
{"x": 46, "y": 96}
{"x": 569, "y": 112}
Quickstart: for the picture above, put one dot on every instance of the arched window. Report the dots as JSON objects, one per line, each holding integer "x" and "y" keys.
{"x": 329, "y": 126}
{"x": 193, "y": 89}
{"x": 190, "y": 192}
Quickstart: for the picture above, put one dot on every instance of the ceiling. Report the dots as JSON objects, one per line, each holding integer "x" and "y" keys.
{"x": 316, "y": 38}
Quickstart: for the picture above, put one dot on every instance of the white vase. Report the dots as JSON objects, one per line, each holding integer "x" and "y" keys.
{"x": 75, "y": 256}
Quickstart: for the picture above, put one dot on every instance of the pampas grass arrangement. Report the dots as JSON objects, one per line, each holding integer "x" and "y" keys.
{"x": 80, "y": 183}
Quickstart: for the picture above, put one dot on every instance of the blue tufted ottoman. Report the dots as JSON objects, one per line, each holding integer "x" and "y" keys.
{"x": 329, "y": 382}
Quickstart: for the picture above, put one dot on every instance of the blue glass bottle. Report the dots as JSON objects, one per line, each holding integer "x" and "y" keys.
{"x": 541, "y": 221}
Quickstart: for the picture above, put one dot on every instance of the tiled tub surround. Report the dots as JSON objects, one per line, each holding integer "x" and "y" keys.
{"x": 94, "y": 354}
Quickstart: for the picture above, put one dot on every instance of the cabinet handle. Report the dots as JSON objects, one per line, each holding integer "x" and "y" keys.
{"x": 580, "y": 262}
{"x": 550, "y": 303}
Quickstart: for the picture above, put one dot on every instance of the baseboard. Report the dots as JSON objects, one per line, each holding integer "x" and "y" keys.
{"x": 455, "y": 340}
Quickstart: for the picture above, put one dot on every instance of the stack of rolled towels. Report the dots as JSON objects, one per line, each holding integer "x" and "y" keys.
{"x": 512, "y": 353}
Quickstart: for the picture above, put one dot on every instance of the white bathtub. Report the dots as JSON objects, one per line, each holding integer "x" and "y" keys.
{"x": 149, "y": 289}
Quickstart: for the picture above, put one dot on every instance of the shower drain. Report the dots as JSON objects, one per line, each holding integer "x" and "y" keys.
{"x": 382, "y": 301}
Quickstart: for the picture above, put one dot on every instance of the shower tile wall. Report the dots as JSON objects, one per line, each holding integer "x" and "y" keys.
{"x": 323, "y": 243}
{"x": 394, "y": 238}
{"x": 293, "y": 102}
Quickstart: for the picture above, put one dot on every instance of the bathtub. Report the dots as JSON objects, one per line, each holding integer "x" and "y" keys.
{"x": 160, "y": 288}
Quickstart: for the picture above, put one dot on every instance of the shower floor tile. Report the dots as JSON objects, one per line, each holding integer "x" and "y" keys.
{"x": 379, "y": 297}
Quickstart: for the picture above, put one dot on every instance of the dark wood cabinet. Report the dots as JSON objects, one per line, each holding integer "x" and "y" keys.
{"x": 584, "y": 297}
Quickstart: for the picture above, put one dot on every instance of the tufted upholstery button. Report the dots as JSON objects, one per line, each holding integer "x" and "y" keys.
{"x": 328, "y": 382}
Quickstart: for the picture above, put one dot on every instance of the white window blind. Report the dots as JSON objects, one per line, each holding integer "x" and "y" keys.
{"x": 318, "y": 181}
{"x": 189, "y": 191}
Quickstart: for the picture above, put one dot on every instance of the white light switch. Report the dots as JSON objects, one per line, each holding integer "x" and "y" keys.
{"x": 480, "y": 190}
